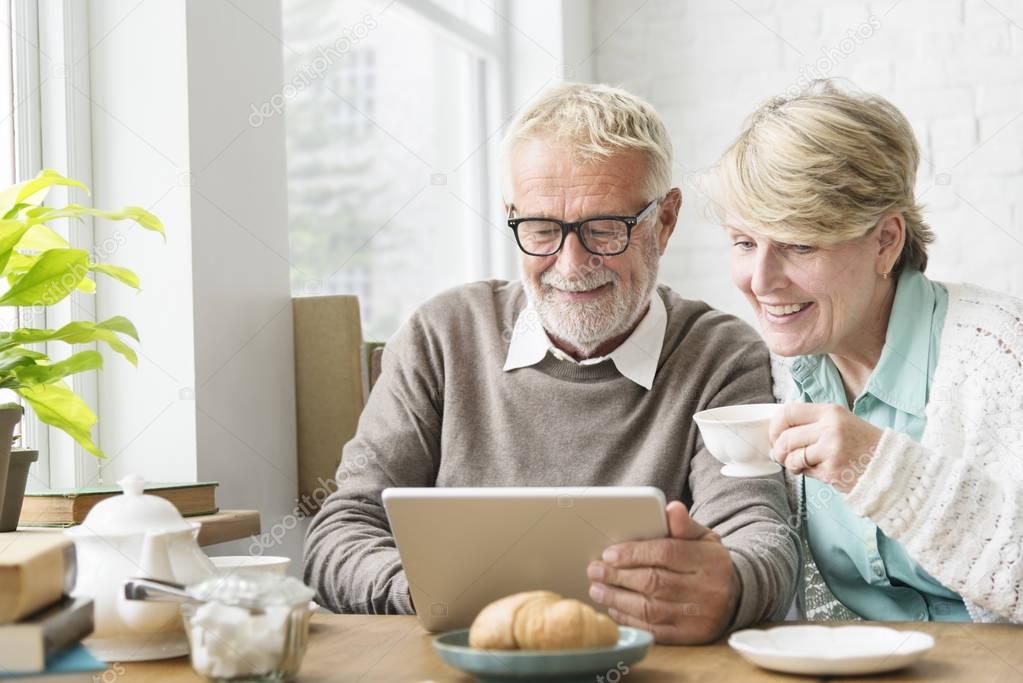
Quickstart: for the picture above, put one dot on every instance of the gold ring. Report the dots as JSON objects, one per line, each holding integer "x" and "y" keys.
{"x": 802, "y": 455}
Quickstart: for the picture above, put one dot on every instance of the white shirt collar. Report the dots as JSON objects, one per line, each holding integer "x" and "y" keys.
{"x": 636, "y": 357}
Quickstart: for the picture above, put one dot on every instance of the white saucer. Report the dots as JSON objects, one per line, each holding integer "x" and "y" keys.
{"x": 831, "y": 650}
{"x": 758, "y": 470}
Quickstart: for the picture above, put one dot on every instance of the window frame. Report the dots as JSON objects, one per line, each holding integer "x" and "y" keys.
{"x": 492, "y": 72}
{"x": 484, "y": 64}
{"x": 6, "y": 94}
{"x": 52, "y": 129}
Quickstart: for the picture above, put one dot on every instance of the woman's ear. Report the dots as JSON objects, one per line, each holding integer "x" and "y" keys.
{"x": 891, "y": 237}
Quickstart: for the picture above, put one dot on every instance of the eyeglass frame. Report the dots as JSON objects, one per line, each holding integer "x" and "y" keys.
{"x": 567, "y": 227}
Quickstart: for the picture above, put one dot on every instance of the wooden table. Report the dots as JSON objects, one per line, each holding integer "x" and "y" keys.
{"x": 220, "y": 527}
{"x": 376, "y": 648}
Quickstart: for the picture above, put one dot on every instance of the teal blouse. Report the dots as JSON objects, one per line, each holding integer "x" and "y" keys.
{"x": 870, "y": 573}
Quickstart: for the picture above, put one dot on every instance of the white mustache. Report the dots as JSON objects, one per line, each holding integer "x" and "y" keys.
{"x": 583, "y": 284}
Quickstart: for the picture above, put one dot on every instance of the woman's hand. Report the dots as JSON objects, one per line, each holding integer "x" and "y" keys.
{"x": 824, "y": 441}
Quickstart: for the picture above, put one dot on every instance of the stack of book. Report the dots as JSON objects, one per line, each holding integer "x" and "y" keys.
{"x": 67, "y": 507}
{"x": 41, "y": 627}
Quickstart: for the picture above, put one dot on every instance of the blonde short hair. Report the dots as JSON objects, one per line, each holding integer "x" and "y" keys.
{"x": 822, "y": 167}
{"x": 595, "y": 122}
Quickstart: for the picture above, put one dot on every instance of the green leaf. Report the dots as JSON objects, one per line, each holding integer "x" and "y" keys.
{"x": 115, "y": 343}
{"x": 56, "y": 405}
{"x": 87, "y": 285}
{"x": 11, "y": 233}
{"x": 47, "y": 374}
{"x": 136, "y": 213}
{"x": 54, "y": 276}
{"x": 120, "y": 324}
{"x": 19, "y": 263}
{"x": 42, "y": 238}
{"x": 79, "y": 332}
{"x": 34, "y": 191}
{"x": 14, "y": 210}
{"x": 16, "y": 357}
{"x": 142, "y": 217}
{"x": 117, "y": 272}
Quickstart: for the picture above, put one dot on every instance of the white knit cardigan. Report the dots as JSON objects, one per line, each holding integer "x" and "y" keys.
{"x": 954, "y": 500}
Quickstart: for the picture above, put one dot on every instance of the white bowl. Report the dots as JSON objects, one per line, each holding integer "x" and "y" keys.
{"x": 738, "y": 436}
{"x": 831, "y": 650}
{"x": 268, "y": 563}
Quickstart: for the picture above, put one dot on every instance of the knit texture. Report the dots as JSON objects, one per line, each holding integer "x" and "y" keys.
{"x": 444, "y": 413}
{"x": 954, "y": 499}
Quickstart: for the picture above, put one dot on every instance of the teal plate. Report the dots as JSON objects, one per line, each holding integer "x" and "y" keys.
{"x": 564, "y": 666}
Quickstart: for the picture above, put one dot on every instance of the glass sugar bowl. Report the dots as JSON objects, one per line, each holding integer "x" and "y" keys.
{"x": 248, "y": 626}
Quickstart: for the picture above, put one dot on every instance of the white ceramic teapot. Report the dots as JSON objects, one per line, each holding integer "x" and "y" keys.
{"x": 135, "y": 535}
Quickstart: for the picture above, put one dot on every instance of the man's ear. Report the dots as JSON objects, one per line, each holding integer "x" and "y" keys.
{"x": 891, "y": 237}
{"x": 668, "y": 217}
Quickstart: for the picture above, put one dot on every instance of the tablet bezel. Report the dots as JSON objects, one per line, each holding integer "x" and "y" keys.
{"x": 618, "y": 513}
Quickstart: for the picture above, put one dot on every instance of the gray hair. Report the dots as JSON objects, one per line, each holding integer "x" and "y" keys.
{"x": 595, "y": 122}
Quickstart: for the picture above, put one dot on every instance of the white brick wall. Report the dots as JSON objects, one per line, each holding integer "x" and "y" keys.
{"x": 955, "y": 67}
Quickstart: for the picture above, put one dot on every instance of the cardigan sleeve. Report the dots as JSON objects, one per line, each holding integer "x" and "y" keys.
{"x": 961, "y": 520}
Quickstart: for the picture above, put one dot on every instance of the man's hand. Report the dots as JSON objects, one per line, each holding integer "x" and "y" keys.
{"x": 683, "y": 589}
{"x": 823, "y": 441}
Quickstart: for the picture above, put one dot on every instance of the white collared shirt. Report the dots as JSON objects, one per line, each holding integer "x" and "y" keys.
{"x": 636, "y": 357}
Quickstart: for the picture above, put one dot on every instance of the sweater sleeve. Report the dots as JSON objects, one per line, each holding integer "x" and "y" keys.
{"x": 750, "y": 514}
{"x": 351, "y": 560}
{"x": 957, "y": 512}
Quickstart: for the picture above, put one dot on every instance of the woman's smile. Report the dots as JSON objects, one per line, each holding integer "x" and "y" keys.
{"x": 785, "y": 314}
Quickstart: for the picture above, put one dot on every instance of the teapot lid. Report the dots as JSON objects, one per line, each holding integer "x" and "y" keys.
{"x": 132, "y": 512}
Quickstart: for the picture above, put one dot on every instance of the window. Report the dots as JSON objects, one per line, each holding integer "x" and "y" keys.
{"x": 8, "y": 316}
{"x": 6, "y": 97}
{"x": 392, "y": 115}
{"x": 45, "y": 74}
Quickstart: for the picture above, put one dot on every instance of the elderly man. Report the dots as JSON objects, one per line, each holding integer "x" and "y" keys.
{"x": 585, "y": 373}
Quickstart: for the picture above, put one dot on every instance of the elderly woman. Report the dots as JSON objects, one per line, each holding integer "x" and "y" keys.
{"x": 903, "y": 425}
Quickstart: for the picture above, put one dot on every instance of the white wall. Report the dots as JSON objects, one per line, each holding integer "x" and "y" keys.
{"x": 140, "y": 140}
{"x": 955, "y": 67}
{"x": 213, "y": 398}
{"x": 548, "y": 42}
{"x": 245, "y": 384}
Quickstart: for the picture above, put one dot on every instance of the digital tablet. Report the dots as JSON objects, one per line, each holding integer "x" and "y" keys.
{"x": 462, "y": 548}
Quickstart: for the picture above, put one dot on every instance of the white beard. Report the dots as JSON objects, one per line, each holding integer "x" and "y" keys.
{"x": 587, "y": 325}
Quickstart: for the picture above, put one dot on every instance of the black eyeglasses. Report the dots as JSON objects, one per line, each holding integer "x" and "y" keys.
{"x": 600, "y": 235}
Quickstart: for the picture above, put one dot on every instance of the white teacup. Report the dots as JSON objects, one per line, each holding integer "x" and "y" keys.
{"x": 738, "y": 436}
{"x": 267, "y": 563}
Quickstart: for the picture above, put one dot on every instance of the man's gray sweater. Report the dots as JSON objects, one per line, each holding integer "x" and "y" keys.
{"x": 444, "y": 413}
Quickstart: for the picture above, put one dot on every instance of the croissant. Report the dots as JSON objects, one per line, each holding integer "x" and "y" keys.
{"x": 540, "y": 620}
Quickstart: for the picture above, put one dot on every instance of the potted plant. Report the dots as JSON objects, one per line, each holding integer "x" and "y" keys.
{"x": 42, "y": 269}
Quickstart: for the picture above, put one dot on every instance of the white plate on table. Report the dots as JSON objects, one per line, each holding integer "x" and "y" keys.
{"x": 831, "y": 650}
